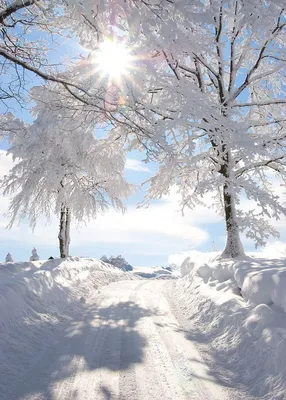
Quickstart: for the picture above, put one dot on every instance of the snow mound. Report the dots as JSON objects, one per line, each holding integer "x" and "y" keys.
{"x": 194, "y": 260}
{"x": 258, "y": 280}
{"x": 10, "y": 268}
{"x": 236, "y": 310}
{"x": 34, "y": 301}
{"x": 262, "y": 281}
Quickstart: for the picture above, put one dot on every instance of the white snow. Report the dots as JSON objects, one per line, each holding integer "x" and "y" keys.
{"x": 153, "y": 272}
{"x": 35, "y": 299}
{"x": 125, "y": 343}
{"x": 237, "y": 314}
{"x": 262, "y": 281}
{"x": 61, "y": 333}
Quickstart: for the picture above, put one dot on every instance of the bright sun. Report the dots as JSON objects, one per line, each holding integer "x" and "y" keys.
{"x": 113, "y": 59}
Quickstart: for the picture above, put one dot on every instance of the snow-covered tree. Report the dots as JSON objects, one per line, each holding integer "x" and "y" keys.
{"x": 34, "y": 256}
{"x": 206, "y": 99}
{"x": 22, "y": 53}
{"x": 9, "y": 258}
{"x": 35, "y": 49}
{"x": 62, "y": 168}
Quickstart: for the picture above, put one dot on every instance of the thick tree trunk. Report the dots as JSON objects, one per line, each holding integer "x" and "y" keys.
{"x": 67, "y": 231}
{"x": 62, "y": 232}
{"x": 233, "y": 247}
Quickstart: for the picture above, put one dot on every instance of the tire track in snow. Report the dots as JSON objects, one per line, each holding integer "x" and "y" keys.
{"x": 127, "y": 381}
{"x": 163, "y": 372}
{"x": 190, "y": 363}
{"x": 128, "y": 345}
{"x": 86, "y": 381}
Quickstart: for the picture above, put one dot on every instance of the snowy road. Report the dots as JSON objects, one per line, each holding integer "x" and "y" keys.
{"x": 126, "y": 344}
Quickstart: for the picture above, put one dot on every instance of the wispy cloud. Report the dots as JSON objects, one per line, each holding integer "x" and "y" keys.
{"x": 135, "y": 165}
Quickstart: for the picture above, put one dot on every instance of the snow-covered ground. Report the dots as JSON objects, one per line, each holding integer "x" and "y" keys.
{"x": 153, "y": 272}
{"x": 217, "y": 333}
{"x": 237, "y": 314}
{"x": 124, "y": 343}
{"x": 36, "y": 299}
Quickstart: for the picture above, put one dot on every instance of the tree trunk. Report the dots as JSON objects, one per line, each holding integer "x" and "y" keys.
{"x": 233, "y": 247}
{"x": 67, "y": 231}
{"x": 62, "y": 232}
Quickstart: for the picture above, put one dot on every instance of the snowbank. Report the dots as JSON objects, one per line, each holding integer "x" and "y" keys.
{"x": 262, "y": 281}
{"x": 237, "y": 315}
{"x": 37, "y": 298}
{"x": 26, "y": 289}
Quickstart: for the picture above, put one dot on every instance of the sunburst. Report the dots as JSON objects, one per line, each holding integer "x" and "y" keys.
{"x": 112, "y": 60}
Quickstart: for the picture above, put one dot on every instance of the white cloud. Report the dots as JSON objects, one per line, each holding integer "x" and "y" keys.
{"x": 178, "y": 258}
{"x": 198, "y": 216}
{"x": 157, "y": 219}
{"x": 273, "y": 249}
{"x": 6, "y": 163}
{"x": 135, "y": 165}
{"x": 157, "y": 230}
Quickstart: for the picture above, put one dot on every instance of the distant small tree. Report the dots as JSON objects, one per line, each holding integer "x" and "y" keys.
{"x": 34, "y": 256}
{"x": 104, "y": 259}
{"x": 127, "y": 268}
{"x": 9, "y": 258}
{"x": 118, "y": 262}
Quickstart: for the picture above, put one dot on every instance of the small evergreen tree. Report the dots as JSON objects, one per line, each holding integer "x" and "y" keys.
{"x": 105, "y": 259}
{"x": 34, "y": 256}
{"x": 118, "y": 262}
{"x": 9, "y": 258}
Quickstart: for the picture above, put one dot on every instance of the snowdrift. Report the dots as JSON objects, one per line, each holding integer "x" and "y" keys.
{"x": 237, "y": 315}
{"x": 36, "y": 299}
{"x": 262, "y": 281}
{"x": 26, "y": 289}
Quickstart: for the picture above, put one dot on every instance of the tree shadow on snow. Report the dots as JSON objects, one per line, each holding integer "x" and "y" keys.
{"x": 231, "y": 355}
{"x": 80, "y": 349}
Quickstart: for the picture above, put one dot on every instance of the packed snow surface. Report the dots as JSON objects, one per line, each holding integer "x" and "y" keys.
{"x": 237, "y": 313}
{"x": 36, "y": 298}
{"x": 123, "y": 343}
{"x": 66, "y": 336}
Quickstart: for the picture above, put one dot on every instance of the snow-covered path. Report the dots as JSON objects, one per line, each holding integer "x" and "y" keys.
{"x": 126, "y": 344}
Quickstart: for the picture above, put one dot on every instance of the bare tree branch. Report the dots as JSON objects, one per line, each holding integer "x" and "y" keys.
{"x": 260, "y": 104}
{"x": 15, "y": 6}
